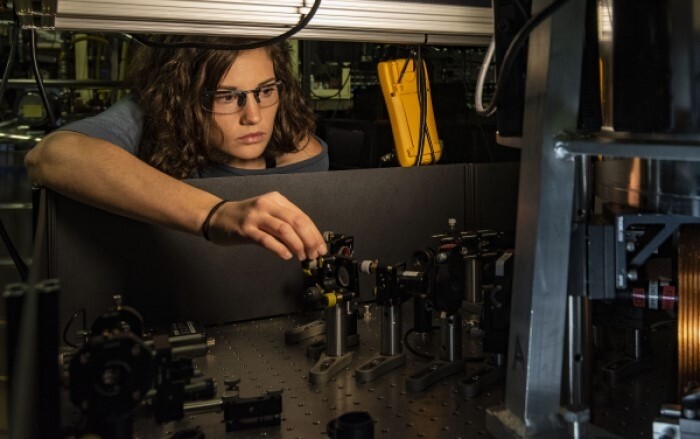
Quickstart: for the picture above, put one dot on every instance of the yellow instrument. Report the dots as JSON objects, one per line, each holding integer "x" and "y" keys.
{"x": 399, "y": 81}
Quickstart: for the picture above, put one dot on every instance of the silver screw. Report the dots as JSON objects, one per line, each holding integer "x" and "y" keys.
{"x": 632, "y": 274}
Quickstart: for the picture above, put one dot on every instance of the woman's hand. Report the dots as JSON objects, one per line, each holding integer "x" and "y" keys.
{"x": 271, "y": 221}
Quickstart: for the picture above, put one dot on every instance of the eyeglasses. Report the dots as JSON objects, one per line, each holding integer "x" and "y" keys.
{"x": 224, "y": 101}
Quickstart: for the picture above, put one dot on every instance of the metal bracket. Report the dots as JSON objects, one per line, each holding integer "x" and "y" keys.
{"x": 669, "y": 223}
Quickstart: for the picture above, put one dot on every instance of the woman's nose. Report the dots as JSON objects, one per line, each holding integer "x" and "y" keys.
{"x": 251, "y": 111}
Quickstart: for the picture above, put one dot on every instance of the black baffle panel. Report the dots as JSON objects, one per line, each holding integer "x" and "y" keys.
{"x": 170, "y": 276}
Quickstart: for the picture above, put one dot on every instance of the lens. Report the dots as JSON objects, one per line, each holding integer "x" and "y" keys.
{"x": 343, "y": 277}
{"x": 423, "y": 258}
{"x": 267, "y": 96}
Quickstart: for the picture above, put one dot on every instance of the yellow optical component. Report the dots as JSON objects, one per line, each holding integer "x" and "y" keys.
{"x": 331, "y": 299}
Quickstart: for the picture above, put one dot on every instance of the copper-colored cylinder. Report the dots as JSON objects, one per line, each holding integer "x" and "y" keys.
{"x": 688, "y": 306}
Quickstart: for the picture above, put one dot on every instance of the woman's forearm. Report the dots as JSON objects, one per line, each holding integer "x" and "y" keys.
{"x": 101, "y": 174}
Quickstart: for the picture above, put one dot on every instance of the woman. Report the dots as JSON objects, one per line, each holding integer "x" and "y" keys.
{"x": 192, "y": 113}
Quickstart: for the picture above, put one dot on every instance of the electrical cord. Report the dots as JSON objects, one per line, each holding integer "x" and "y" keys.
{"x": 424, "y": 112}
{"x": 40, "y": 82}
{"x": 422, "y": 101}
{"x": 80, "y": 311}
{"x": 422, "y": 93}
{"x": 16, "y": 258}
{"x": 14, "y": 36}
{"x": 102, "y": 40}
{"x": 515, "y": 46}
{"x": 521, "y": 8}
{"x": 244, "y": 46}
{"x": 481, "y": 79}
{"x": 411, "y": 348}
{"x": 403, "y": 70}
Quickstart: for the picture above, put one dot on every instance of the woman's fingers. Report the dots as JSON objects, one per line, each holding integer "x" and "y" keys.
{"x": 286, "y": 235}
{"x": 271, "y": 243}
{"x": 274, "y": 223}
{"x": 293, "y": 227}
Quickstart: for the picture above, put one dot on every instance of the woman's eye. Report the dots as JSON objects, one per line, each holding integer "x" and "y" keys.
{"x": 225, "y": 97}
{"x": 267, "y": 91}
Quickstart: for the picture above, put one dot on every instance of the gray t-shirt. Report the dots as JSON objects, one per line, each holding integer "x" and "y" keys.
{"x": 122, "y": 125}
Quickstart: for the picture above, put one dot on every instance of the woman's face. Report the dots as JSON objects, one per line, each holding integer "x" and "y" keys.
{"x": 246, "y": 133}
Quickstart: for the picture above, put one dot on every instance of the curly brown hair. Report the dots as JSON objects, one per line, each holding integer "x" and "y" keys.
{"x": 177, "y": 133}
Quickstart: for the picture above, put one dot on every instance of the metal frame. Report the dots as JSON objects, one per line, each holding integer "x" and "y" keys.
{"x": 545, "y": 204}
{"x": 652, "y": 146}
{"x": 355, "y": 20}
{"x": 546, "y": 200}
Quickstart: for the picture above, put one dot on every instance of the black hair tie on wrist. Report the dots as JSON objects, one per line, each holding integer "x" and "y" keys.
{"x": 205, "y": 225}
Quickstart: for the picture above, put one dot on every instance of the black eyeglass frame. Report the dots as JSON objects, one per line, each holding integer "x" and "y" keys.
{"x": 241, "y": 96}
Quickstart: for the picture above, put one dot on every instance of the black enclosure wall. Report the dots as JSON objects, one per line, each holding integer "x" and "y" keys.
{"x": 170, "y": 276}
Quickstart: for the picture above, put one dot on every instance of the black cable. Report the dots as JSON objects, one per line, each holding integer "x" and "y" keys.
{"x": 521, "y": 8}
{"x": 14, "y": 36}
{"x": 423, "y": 102}
{"x": 411, "y": 348}
{"x": 403, "y": 70}
{"x": 244, "y": 46}
{"x": 82, "y": 311}
{"x": 515, "y": 46}
{"x": 424, "y": 85}
{"x": 40, "y": 82}
{"x": 16, "y": 258}
{"x": 430, "y": 145}
{"x": 421, "y": 91}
